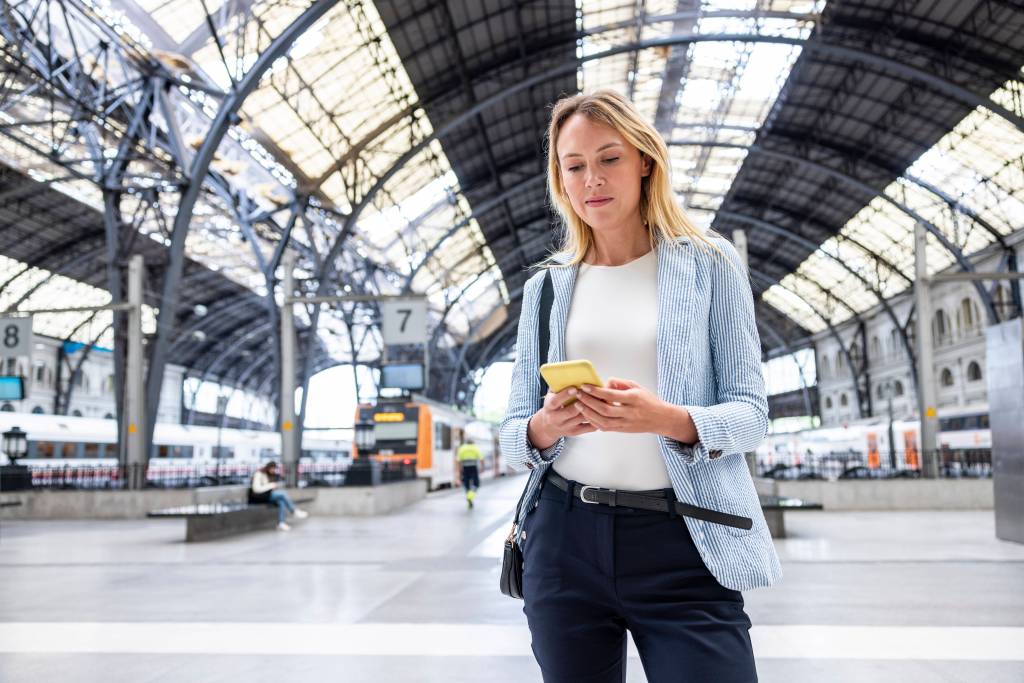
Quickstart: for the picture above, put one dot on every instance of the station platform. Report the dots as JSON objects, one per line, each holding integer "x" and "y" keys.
{"x": 413, "y": 596}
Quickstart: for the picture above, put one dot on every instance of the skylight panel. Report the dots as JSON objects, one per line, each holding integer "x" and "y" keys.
{"x": 977, "y": 164}
{"x": 37, "y": 288}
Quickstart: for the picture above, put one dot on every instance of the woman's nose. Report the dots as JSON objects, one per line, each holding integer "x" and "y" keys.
{"x": 594, "y": 180}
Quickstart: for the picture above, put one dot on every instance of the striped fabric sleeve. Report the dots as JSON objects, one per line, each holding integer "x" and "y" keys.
{"x": 524, "y": 397}
{"x": 738, "y": 422}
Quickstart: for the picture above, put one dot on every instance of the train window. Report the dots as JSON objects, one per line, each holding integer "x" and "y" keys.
{"x": 983, "y": 421}
{"x": 166, "y": 451}
{"x": 40, "y": 449}
{"x": 271, "y": 454}
{"x": 442, "y": 436}
{"x": 222, "y": 452}
{"x": 395, "y": 431}
{"x": 93, "y": 450}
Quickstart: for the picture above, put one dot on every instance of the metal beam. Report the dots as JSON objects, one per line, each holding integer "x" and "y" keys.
{"x": 226, "y": 117}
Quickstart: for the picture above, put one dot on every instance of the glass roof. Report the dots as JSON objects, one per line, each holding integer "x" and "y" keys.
{"x": 728, "y": 87}
{"x": 36, "y": 289}
{"x": 305, "y": 129}
{"x": 977, "y": 164}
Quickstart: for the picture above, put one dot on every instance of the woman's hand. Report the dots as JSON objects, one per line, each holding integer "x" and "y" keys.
{"x": 555, "y": 420}
{"x": 625, "y": 406}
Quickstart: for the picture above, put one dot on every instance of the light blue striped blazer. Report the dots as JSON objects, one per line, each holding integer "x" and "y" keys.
{"x": 709, "y": 361}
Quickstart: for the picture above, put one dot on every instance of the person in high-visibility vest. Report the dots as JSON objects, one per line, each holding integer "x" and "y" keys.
{"x": 471, "y": 460}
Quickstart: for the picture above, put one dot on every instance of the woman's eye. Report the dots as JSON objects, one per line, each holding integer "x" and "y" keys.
{"x": 573, "y": 169}
{"x": 611, "y": 160}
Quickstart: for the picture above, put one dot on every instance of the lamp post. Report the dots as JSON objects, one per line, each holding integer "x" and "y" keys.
{"x": 15, "y": 477}
{"x": 364, "y": 470}
{"x": 222, "y": 404}
{"x": 892, "y": 446}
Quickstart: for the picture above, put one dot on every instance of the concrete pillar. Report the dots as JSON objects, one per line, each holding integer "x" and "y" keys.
{"x": 134, "y": 435}
{"x": 926, "y": 399}
{"x": 289, "y": 448}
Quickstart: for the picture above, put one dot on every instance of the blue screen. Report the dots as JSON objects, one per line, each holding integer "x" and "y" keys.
{"x": 11, "y": 389}
{"x": 406, "y": 376}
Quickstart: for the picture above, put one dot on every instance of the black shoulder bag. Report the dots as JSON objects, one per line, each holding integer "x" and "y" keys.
{"x": 511, "y": 582}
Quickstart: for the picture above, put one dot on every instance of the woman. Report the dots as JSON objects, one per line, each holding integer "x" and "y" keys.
{"x": 266, "y": 488}
{"x": 666, "y": 315}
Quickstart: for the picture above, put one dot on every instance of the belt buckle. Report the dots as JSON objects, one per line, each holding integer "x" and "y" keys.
{"x": 583, "y": 494}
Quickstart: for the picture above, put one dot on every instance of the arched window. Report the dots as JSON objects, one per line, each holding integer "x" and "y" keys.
{"x": 823, "y": 371}
{"x": 940, "y": 327}
{"x": 828, "y": 402}
{"x": 895, "y": 347}
{"x": 946, "y": 377}
{"x": 843, "y": 401}
{"x": 897, "y": 388}
{"x": 969, "y": 314}
{"x": 879, "y": 393}
{"x": 38, "y": 410}
{"x": 840, "y": 361}
{"x": 876, "y": 348}
{"x": 973, "y": 372}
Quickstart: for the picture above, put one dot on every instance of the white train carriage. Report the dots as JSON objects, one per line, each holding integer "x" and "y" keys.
{"x": 58, "y": 442}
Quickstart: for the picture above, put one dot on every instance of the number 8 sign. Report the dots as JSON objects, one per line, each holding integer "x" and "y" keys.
{"x": 15, "y": 337}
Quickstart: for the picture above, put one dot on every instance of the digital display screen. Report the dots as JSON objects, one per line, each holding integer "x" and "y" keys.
{"x": 11, "y": 388}
{"x": 402, "y": 376}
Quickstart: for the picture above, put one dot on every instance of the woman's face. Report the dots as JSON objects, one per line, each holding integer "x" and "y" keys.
{"x": 601, "y": 173}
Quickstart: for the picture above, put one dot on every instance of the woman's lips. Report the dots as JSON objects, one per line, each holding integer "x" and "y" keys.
{"x": 600, "y": 201}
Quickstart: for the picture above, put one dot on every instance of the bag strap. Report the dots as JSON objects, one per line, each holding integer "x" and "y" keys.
{"x": 547, "y": 298}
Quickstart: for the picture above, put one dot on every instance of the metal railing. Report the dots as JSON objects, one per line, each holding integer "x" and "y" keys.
{"x": 850, "y": 465}
{"x": 158, "y": 475}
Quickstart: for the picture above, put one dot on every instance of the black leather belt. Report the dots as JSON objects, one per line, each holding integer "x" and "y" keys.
{"x": 646, "y": 500}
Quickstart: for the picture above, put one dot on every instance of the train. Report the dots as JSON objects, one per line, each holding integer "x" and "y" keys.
{"x": 183, "y": 454}
{"x": 965, "y": 445}
{"x": 428, "y": 433}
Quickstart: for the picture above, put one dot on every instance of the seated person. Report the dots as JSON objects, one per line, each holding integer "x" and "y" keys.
{"x": 266, "y": 487}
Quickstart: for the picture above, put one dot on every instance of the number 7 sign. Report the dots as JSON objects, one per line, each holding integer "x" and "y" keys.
{"x": 404, "y": 321}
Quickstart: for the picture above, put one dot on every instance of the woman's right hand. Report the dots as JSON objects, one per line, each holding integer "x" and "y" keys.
{"x": 554, "y": 420}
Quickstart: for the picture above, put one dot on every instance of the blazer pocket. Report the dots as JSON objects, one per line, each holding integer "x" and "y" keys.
{"x": 737, "y": 496}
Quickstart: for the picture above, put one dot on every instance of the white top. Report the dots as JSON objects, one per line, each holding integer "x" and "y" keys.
{"x": 612, "y": 323}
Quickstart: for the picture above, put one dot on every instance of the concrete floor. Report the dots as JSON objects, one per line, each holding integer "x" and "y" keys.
{"x": 412, "y": 596}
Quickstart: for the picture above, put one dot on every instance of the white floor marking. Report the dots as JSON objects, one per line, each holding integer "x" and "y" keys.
{"x": 454, "y": 640}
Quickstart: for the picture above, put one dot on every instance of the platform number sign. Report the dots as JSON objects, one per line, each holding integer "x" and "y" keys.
{"x": 404, "y": 321}
{"x": 15, "y": 337}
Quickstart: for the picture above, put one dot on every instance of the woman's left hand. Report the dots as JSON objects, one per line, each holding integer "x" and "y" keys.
{"x": 625, "y": 406}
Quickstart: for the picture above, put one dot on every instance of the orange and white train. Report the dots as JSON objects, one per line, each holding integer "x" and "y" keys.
{"x": 428, "y": 433}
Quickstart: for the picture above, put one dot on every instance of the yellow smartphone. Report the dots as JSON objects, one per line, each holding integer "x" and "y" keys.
{"x": 571, "y": 373}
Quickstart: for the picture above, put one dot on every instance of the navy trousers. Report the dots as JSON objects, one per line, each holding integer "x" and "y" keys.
{"x": 592, "y": 572}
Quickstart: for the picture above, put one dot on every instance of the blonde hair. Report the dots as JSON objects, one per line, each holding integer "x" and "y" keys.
{"x": 661, "y": 213}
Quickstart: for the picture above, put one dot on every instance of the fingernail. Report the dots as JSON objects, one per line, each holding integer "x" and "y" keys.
{"x": 572, "y": 392}
{"x": 586, "y": 388}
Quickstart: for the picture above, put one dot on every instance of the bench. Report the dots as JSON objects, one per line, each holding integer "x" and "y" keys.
{"x": 208, "y": 521}
{"x": 774, "y": 508}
